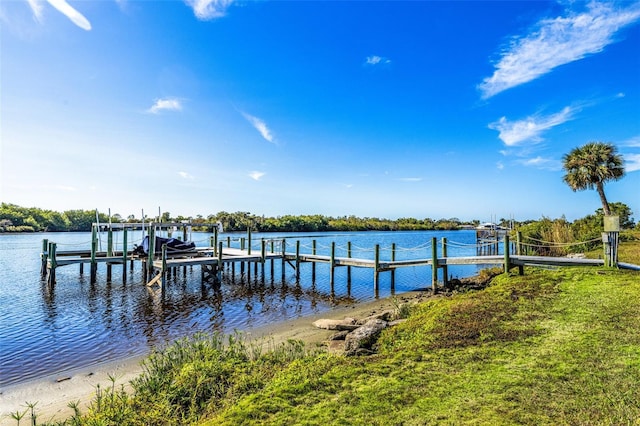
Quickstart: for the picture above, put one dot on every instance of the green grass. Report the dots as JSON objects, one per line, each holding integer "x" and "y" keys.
{"x": 552, "y": 347}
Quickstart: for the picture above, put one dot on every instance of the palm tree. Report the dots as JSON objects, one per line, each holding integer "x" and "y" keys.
{"x": 590, "y": 166}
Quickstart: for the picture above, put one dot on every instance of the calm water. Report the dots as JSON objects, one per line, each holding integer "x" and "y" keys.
{"x": 77, "y": 323}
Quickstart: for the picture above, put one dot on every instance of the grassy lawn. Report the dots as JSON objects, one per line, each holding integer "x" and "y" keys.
{"x": 552, "y": 347}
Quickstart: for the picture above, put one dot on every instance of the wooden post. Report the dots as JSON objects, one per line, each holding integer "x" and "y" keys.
{"x": 376, "y": 273}
{"x": 215, "y": 237}
{"x": 243, "y": 242}
{"x": 332, "y": 263}
{"x": 125, "y": 252}
{"x": 273, "y": 250}
{"x": 94, "y": 265}
{"x": 220, "y": 263}
{"x": 284, "y": 245}
{"x": 51, "y": 279}
{"x": 249, "y": 240}
{"x": 507, "y": 262}
{"x": 163, "y": 271}
{"x": 445, "y": 269}
{"x": 184, "y": 233}
{"x": 212, "y": 243}
{"x": 393, "y": 270}
{"x": 434, "y": 265}
{"x": 44, "y": 256}
{"x": 313, "y": 264}
{"x": 109, "y": 251}
{"x": 519, "y": 251}
{"x": 349, "y": 268}
{"x": 263, "y": 256}
{"x": 297, "y": 261}
{"x": 152, "y": 247}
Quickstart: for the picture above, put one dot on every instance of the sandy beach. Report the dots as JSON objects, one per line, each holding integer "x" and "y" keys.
{"x": 52, "y": 394}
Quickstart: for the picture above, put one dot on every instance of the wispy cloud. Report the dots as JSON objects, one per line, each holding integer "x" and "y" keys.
{"x": 633, "y": 142}
{"x": 167, "y": 104}
{"x": 256, "y": 175}
{"x": 377, "y": 60}
{"x": 63, "y": 7}
{"x": 542, "y": 163}
{"x": 410, "y": 179}
{"x": 36, "y": 8}
{"x": 514, "y": 133}
{"x": 499, "y": 165}
{"x": 632, "y": 162}
{"x": 209, "y": 9}
{"x": 260, "y": 126}
{"x": 185, "y": 175}
{"x": 558, "y": 41}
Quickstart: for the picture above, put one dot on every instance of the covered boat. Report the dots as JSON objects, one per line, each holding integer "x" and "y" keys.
{"x": 174, "y": 246}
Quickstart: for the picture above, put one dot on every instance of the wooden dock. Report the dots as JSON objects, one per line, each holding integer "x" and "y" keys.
{"x": 216, "y": 257}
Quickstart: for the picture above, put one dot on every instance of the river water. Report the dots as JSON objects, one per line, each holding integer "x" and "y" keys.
{"x": 75, "y": 324}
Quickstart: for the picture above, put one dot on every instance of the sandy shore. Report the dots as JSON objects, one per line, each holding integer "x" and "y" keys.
{"x": 53, "y": 394}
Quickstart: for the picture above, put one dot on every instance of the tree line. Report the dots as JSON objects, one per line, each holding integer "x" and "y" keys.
{"x": 14, "y": 218}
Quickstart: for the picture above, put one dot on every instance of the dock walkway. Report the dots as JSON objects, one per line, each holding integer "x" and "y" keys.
{"x": 214, "y": 258}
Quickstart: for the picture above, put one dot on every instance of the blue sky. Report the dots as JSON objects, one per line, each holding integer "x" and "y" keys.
{"x": 373, "y": 109}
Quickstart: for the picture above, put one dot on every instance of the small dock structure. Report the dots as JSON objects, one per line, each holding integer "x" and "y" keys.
{"x": 219, "y": 255}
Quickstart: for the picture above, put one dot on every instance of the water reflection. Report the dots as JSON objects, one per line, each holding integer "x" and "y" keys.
{"x": 76, "y": 322}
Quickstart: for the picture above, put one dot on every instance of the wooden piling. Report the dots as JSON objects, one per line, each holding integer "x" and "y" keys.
{"x": 44, "y": 256}
{"x": 163, "y": 271}
{"x": 109, "y": 251}
{"x": 313, "y": 264}
{"x": 332, "y": 262}
{"x": 507, "y": 263}
{"x": 434, "y": 265}
{"x": 51, "y": 273}
{"x": 349, "y": 268}
{"x": 376, "y": 270}
{"x": 393, "y": 271}
{"x": 445, "y": 270}
{"x": 284, "y": 251}
{"x": 297, "y": 261}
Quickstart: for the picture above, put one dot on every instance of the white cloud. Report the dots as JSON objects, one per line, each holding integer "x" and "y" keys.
{"x": 514, "y": 133}
{"x": 260, "y": 126}
{"x": 542, "y": 163}
{"x": 377, "y": 60}
{"x": 185, "y": 175}
{"x": 36, "y": 8}
{"x": 633, "y": 142}
{"x": 555, "y": 42}
{"x": 632, "y": 162}
{"x": 165, "y": 105}
{"x": 499, "y": 165}
{"x": 255, "y": 175}
{"x": 75, "y": 16}
{"x": 209, "y": 9}
{"x": 63, "y": 7}
{"x": 410, "y": 179}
